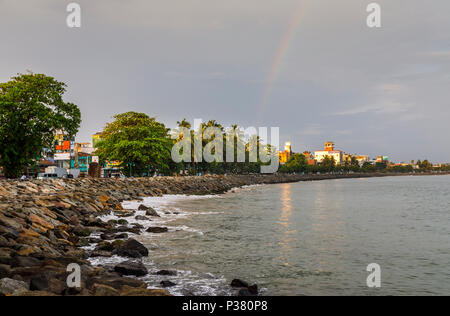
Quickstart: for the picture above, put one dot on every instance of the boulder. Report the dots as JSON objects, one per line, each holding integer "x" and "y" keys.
{"x": 141, "y": 218}
{"x": 239, "y": 283}
{"x": 167, "y": 283}
{"x": 157, "y": 230}
{"x": 115, "y": 282}
{"x": 104, "y": 290}
{"x": 166, "y": 272}
{"x": 11, "y": 287}
{"x": 5, "y": 271}
{"x": 132, "y": 249}
{"x": 131, "y": 268}
{"x": 129, "y": 291}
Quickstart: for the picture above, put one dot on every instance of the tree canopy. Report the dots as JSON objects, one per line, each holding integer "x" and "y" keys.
{"x": 138, "y": 141}
{"x": 32, "y": 109}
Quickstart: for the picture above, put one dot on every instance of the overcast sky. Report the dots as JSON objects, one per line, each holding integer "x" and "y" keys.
{"x": 327, "y": 77}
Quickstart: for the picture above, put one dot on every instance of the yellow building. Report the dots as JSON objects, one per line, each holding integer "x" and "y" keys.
{"x": 286, "y": 154}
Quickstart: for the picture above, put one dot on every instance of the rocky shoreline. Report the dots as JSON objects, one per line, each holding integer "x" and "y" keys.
{"x": 45, "y": 224}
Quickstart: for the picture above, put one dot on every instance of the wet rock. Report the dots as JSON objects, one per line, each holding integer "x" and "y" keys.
{"x": 104, "y": 290}
{"x": 107, "y": 236}
{"x": 121, "y": 236}
{"x": 166, "y": 273}
{"x": 104, "y": 246}
{"x": 5, "y": 270}
{"x": 81, "y": 231}
{"x": 167, "y": 283}
{"x": 20, "y": 261}
{"x": 253, "y": 289}
{"x": 244, "y": 292}
{"x": 100, "y": 253}
{"x": 122, "y": 222}
{"x": 11, "y": 287}
{"x": 115, "y": 282}
{"x": 132, "y": 249}
{"x": 131, "y": 268}
{"x": 157, "y": 230}
{"x": 128, "y": 291}
{"x": 239, "y": 283}
{"x": 142, "y": 207}
{"x": 39, "y": 283}
{"x": 141, "y": 218}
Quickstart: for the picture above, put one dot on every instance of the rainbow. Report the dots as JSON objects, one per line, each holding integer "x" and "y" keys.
{"x": 286, "y": 42}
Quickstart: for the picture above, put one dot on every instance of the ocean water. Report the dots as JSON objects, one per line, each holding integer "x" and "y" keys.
{"x": 306, "y": 238}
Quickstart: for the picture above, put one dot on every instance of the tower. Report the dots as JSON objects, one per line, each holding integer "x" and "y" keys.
{"x": 329, "y": 146}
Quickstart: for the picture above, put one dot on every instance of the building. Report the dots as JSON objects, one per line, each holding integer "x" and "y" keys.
{"x": 329, "y": 151}
{"x": 309, "y": 158}
{"x": 64, "y": 149}
{"x": 286, "y": 154}
{"x": 362, "y": 159}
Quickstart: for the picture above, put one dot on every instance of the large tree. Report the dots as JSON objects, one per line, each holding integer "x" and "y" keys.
{"x": 138, "y": 141}
{"x": 31, "y": 110}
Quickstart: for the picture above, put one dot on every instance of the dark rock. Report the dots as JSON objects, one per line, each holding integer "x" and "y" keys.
{"x": 104, "y": 246}
{"x": 142, "y": 207}
{"x": 253, "y": 289}
{"x": 20, "y": 261}
{"x": 81, "y": 231}
{"x": 138, "y": 226}
{"x": 239, "y": 283}
{"x": 244, "y": 292}
{"x": 122, "y": 222}
{"x": 5, "y": 271}
{"x": 166, "y": 272}
{"x": 121, "y": 236}
{"x": 107, "y": 236}
{"x": 100, "y": 253}
{"x": 131, "y": 268}
{"x": 115, "y": 282}
{"x": 131, "y": 248}
{"x": 157, "y": 230}
{"x": 39, "y": 283}
{"x": 141, "y": 218}
{"x": 167, "y": 284}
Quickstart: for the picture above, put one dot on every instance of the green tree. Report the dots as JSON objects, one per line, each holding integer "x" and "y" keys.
{"x": 138, "y": 141}
{"x": 32, "y": 109}
{"x": 297, "y": 163}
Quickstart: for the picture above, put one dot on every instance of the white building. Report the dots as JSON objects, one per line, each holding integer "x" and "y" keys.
{"x": 329, "y": 151}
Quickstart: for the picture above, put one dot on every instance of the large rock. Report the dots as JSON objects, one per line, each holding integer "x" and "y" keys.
{"x": 157, "y": 230}
{"x": 11, "y": 287}
{"x": 104, "y": 290}
{"x": 129, "y": 291}
{"x": 131, "y": 268}
{"x": 132, "y": 249}
{"x": 148, "y": 210}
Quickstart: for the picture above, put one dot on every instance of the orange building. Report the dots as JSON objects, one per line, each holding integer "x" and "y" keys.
{"x": 286, "y": 154}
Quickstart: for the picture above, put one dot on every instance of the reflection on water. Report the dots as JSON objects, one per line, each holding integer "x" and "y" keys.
{"x": 314, "y": 238}
{"x": 327, "y": 223}
{"x": 286, "y": 231}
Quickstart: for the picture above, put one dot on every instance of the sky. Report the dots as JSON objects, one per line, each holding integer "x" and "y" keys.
{"x": 313, "y": 68}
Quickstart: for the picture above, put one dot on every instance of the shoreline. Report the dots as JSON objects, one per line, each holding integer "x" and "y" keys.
{"x": 44, "y": 226}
